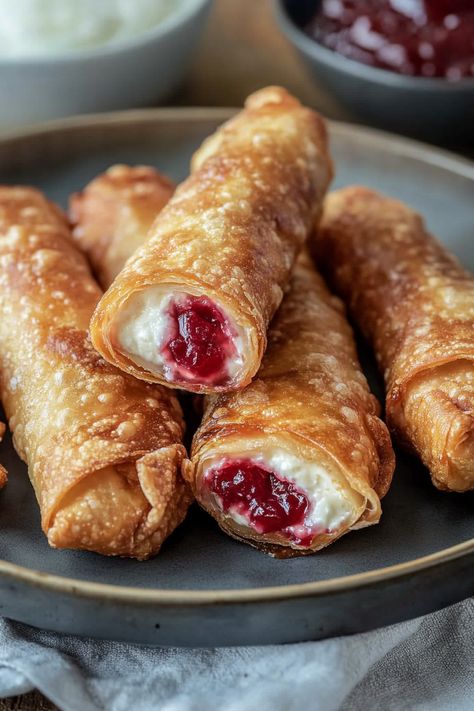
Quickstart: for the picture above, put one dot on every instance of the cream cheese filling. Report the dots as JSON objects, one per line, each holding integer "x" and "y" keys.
{"x": 143, "y": 329}
{"x": 333, "y": 504}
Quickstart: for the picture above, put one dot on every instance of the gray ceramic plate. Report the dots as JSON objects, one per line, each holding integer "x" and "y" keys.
{"x": 204, "y": 588}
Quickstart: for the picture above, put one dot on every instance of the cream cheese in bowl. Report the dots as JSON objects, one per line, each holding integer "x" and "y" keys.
{"x": 64, "y": 57}
{"x": 33, "y": 28}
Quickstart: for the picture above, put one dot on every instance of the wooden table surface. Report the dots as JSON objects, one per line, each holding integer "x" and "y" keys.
{"x": 241, "y": 50}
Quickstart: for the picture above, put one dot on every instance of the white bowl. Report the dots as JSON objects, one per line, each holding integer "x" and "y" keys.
{"x": 122, "y": 75}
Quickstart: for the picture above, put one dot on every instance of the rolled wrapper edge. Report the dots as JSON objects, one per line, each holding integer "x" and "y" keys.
{"x": 162, "y": 499}
{"x": 415, "y": 303}
{"x": 81, "y": 426}
{"x": 227, "y": 230}
{"x": 102, "y": 336}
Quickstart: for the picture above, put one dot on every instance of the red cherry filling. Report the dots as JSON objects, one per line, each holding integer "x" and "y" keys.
{"x": 200, "y": 340}
{"x": 430, "y": 38}
{"x": 268, "y": 502}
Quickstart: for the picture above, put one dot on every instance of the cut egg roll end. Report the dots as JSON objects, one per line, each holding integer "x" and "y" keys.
{"x": 112, "y": 215}
{"x": 192, "y": 306}
{"x": 141, "y": 332}
{"x": 305, "y": 472}
{"x": 299, "y": 457}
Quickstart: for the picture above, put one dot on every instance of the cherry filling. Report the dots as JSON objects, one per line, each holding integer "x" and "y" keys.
{"x": 430, "y": 38}
{"x": 200, "y": 340}
{"x": 268, "y": 503}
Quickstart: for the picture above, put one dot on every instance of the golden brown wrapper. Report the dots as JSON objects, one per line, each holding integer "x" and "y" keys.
{"x": 114, "y": 212}
{"x": 415, "y": 304}
{"x": 309, "y": 397}
{"x": 103, "y": 449}
{"x": 233, "y": 229}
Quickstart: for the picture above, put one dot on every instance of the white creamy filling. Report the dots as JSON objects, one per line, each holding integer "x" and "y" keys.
{"x": 47, "y": 27}
{"x": 332, "y": 502}
{"x": 143, "y": 330}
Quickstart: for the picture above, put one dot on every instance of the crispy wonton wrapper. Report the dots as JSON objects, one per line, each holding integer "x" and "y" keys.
{"x": 231, "y": 231}
{"x": 104, "y": 451}
{"x": 114, "y": 212}
{"x": 310, "y": 398}
{"x": 415, "y": 304}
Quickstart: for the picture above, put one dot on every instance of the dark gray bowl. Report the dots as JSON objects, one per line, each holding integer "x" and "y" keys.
{"x": 431, "y": 109}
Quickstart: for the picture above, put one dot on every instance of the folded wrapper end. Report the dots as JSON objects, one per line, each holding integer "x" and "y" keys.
{"x": 434, "y": 418}
{"x": 150, "y": 495}
{"x": 104, "y": 450}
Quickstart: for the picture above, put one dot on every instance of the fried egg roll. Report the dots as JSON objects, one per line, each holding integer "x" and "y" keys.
{"x": 103, "y": 449}
{"x": 114, "y": 212}
{"x": 192, "y": 306}
{"x": 415, "y": 304}
{"x": 299, "y": 457}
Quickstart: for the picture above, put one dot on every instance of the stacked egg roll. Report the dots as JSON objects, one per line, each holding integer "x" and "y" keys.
{"x": 415, "y": 304}
{"x": 191, "y": 308}
{"x": 104, "y": 450}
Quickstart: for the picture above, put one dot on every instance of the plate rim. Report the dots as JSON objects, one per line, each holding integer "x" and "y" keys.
{"x": 198, "y": 598}
{"x": 168, "y": 597}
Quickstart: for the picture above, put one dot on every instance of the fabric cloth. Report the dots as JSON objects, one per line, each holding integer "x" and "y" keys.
{"x": 423, "y": 664}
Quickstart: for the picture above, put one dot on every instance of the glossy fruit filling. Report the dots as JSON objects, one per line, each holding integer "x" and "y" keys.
{"x": 266, "y": 501}
{"x": 429, "y": 38}
{"x": 200, "y": 341}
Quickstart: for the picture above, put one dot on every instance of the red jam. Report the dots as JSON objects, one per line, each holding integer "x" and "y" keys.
{"x": 428, "y": 38}
{"x": 200, "y": 340}
{"x": 268, "y": 503}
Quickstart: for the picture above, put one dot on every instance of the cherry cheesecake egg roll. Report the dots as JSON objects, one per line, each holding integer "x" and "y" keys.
{"x": 299, "y": 457}
{"x": 113, "y": 214}
{"x": 192, "y": 306}
{"x": 104, "y": 450}
{"x": 415, "y": 304}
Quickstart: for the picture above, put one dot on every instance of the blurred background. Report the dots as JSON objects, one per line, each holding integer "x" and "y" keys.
{"x": 401, "y": 65}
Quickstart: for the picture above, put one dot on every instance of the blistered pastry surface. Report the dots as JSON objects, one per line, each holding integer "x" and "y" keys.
{"x": 73, "y": 415}
{"x": 311, "y": 394}
{"x": 233, "y": 228}
{"x": 415, "y": 303}
{"x": 113, "y": 214}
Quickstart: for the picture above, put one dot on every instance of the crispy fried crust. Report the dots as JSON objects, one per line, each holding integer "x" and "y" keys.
{"x": 233, "y": 228}
{"x": 114, "y": 212}
{"x": 310, "y": 397}
{"x": 103, "y": 450}
{"x": 415, "y": 304}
